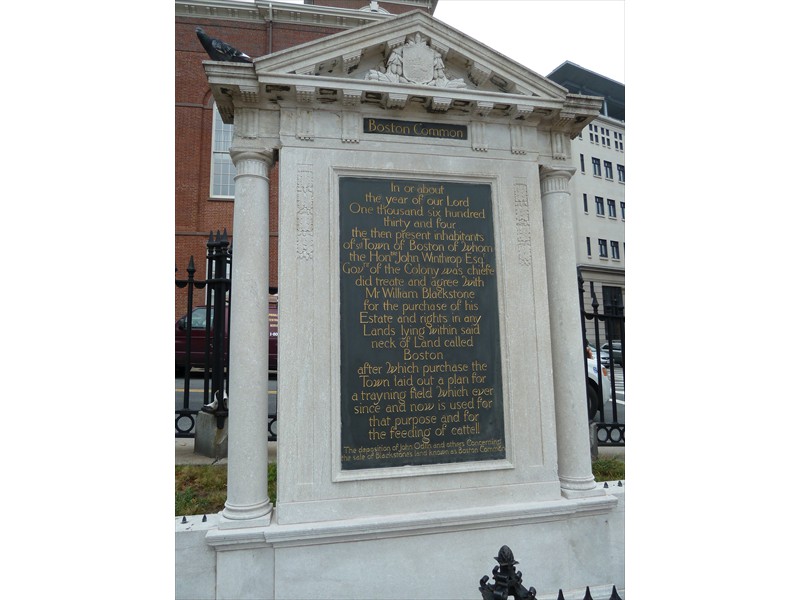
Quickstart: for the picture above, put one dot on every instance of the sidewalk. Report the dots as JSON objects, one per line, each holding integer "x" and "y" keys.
{"x": 184, "y": 453}
{"x": 611, "y": 451}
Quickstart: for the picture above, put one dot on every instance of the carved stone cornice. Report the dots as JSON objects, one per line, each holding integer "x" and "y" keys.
{"x": 400, "y": 65}
{"x": 328, "y": 91}
{"x": 478, "y": 73}
{"x": 306, "y": 94}
{"x": 262, "y": 11}
{"x": 439, "y": 104}
{"x": 350, "y": 60}
{"x": 351, "y": 97}
{"x": 576, "y": 113}
{"x": 395, "y": 100}
{"x": 483, "y": 108}
{"x": 231, "y": 83}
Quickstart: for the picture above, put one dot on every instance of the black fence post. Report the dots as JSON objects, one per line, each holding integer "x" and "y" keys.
{"x": 186, "y": 412}
{"x": 508, "y": 582}
{"x": 212, "y": 349}
{"x": 219, "y": 285}
{"x": 608, "y": 433}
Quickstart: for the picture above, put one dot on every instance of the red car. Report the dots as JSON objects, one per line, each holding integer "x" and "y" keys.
{"x": 198, "y": 338}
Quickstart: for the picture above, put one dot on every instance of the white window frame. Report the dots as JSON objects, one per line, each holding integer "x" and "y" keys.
{"x": 222, "y": 168}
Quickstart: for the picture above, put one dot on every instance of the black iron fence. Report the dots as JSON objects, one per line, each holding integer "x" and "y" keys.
{"x": 604, "y": 335}
{"x": 202, "y": 341}
{"x": 508, "y": 582}
{"x": 201, "y": 336}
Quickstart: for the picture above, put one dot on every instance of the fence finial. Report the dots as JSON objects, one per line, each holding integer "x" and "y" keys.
{"x": 507, "y": 580}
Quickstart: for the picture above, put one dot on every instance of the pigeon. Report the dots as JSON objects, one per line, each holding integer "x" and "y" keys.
{"x": 214, "y": 404}
{"x": 219, "y": 50}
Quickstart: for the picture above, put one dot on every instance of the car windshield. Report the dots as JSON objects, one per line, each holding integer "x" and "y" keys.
{"x": 199, "y": 317}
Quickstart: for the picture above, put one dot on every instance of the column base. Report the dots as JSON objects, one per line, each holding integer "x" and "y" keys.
{"x": 580, "y": 488}
{"x": 233, "y": 517}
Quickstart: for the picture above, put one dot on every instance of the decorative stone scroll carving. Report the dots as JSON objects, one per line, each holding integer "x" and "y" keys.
{"x": 559, "y": 145}
{"x": 305, "y": 212}
{"x": 304, "y": 122}
{"x": 478, "y": 131}
{"x": 415, "y": 62}
{"x": 350, "y": 124}
{"x": 517, "y": 139}
{"x": 246, "y": 123}
{"x": 523, "y": 223}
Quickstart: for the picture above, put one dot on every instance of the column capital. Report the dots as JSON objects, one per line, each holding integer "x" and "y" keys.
{"x": 242, "y": 154}
{"x": 555, "y": 179}
{"x": 548, "y": 172}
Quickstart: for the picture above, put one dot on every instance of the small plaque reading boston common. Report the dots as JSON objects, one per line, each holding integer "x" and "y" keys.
{"x": 420, "y": 342}
{"x": 415, "y": 129}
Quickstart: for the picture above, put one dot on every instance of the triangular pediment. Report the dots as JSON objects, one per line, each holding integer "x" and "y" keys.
{"x": 413, "y": 49}
{"x": 411, "y": 60}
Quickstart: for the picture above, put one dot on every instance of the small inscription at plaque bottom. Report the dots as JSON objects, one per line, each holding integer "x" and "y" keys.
{"x": 420, "y": 345}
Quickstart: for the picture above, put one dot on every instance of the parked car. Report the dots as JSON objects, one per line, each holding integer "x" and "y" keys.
{"x": 198, "y": 337}
{"x": 605, "y": 359}
{"x": 615, "y": 350}
{"x": 595, "y": 383}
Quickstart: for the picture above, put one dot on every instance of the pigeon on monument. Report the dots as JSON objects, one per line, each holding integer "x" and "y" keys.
{"x": 219, "y": 50}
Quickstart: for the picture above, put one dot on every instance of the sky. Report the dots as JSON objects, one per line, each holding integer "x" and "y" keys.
{"x": 590, "y": 33}
{"x": 542, "y": 34}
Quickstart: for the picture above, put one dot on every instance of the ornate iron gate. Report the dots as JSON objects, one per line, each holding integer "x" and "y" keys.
{"x": 206, "y": 349}
{"x": 609, "y": 432}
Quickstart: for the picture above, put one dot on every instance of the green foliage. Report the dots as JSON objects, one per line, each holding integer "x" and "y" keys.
{"x": 202, "y": 489}
{"x": 608, "y": 468}
{"x": 272, "y": 483}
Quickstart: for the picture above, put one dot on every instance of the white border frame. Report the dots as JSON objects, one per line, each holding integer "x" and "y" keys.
{"x": 339, "y": 474}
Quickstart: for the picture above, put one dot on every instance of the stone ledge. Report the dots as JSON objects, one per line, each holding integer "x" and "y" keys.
{"x": 353, "y": 530}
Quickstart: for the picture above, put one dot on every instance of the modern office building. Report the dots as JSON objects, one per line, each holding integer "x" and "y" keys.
{"x": 598, "y": 187}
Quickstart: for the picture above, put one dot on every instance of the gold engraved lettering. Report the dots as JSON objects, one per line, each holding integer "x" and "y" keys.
{"x": 418, "y": 276}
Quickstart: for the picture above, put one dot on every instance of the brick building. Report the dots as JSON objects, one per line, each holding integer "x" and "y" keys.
{"x": 203, "y": 170}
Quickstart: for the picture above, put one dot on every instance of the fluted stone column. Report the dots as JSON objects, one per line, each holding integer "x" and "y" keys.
{"x": 248, "y": 504}
{"x": 569, "y": 363}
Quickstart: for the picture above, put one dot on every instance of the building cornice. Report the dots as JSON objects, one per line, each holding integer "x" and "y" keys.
{"x": 375, "y": 64}
{"x": 277, "y": 12}
{"x": 595, "y": 268}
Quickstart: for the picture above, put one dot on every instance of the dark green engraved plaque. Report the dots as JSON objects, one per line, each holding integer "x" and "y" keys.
{"x": 421, "y": 378}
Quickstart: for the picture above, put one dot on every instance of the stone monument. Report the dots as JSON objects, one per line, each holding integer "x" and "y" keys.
{"x": 432, "y": 400}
